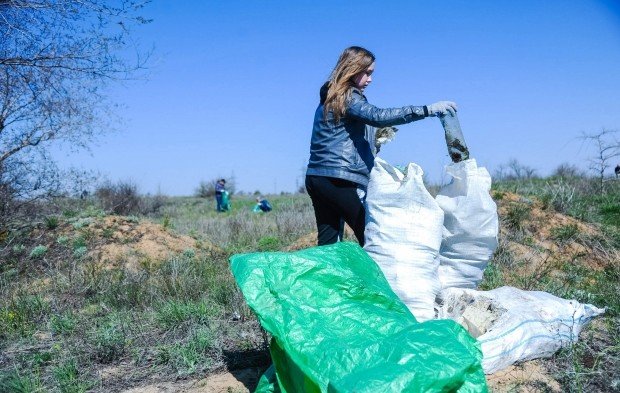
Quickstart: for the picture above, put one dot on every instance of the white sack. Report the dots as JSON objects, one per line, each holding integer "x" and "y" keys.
{"x": 403, "y": 234}
{"x": 513, "y": 325}
{"x": 470, "y": 225}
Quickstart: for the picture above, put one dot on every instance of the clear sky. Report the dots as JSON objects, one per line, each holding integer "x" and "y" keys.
{"x": 235, "y": 84}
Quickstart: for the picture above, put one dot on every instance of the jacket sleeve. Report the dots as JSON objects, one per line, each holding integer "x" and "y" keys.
{"x": 359, "y": 108}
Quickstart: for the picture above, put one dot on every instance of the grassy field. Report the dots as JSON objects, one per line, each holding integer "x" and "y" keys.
{"x": 95, "y": 302}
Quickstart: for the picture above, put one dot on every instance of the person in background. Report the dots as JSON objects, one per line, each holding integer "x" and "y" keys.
{"x": 341, "y": 150}
{"x": 262, "y": 205}
{"x": 220, "y": 188}
{"x": 617, "y": 170}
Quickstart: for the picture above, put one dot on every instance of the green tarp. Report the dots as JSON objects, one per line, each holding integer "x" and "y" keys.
{"x": 337, "y": 326}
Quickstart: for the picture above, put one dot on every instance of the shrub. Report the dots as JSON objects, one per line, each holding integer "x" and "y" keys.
{"x": 109, "y": 341}
{"x": 121, "y": 198}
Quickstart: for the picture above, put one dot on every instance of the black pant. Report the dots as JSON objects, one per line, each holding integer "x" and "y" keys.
{"x": 335, "y": 200}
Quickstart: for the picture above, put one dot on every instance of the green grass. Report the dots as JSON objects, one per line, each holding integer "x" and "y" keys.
{"x": 65, "y": 319}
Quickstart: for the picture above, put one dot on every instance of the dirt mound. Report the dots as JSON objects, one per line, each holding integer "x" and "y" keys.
{"x": 542, "y": 239}
{"x": 123, "y": 241}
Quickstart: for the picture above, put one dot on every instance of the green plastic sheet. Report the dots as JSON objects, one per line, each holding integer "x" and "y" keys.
{"x": 337, "y": 326}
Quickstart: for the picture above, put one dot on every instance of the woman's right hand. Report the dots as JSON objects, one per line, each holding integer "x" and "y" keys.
{"x": 442, "y": 108}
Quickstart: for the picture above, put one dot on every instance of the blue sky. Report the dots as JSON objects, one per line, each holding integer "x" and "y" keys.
{"x": 234, "y": 85}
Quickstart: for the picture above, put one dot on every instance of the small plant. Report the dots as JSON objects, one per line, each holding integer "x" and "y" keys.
{"x": 108, "y": 233}
{"x": 191, "y": 356}
{"x": 80, "y": 252}
{"x": 82, "y": 222}
{"x": 19, "y": 248}
{"x": 21, "y": 313}
{"x": 517, "y": 215}
{"x": 133, "y": 219}
{"x": 62, "y": 324}
{"x": 62, "y": 240}
{"x": 565, "y": 233}
{"x": 14, "y": 382}
{"x": 189, "y": 253}
{"x": 110, "y": 341}
{"x": 78, "y": 242}
{"x": 269, "y": 243}
{"x": 38, "y": 252}
{"x": 68, "y": 378}
{"x": 498, "y": 195}
{"x": 166, "y": 222}
{"x": 174, "y": 313}
{"x": 51, "y": 222}
{"x": 41, "y": 358}
{"x": 611, "y": 213}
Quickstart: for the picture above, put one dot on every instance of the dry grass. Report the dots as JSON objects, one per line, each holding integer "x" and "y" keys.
{"x": 114, "y": 302}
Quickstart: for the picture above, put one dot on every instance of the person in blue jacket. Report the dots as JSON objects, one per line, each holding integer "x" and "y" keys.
{"x": 220, "y": 189}
{"x": 262, "y": 205}
{"x": 342, "y": 149}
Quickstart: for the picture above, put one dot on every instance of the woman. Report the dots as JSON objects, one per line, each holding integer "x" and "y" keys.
{"x": 341, "y": 156}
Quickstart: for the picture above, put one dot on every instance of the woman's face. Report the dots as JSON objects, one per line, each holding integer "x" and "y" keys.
{"x": 364, "y": 78}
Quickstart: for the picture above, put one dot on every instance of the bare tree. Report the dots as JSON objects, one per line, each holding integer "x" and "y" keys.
{"x": 56, "y": 59}
{"x": 607, "y": 147}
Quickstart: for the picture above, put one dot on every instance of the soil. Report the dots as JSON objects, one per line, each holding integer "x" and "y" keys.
{"x": 238, "y": 381}
{"x": 544, "y": 254}
{"x": 120, "y": 240}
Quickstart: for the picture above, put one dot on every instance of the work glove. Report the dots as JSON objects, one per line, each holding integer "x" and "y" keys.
{"x": 442, "y": 108}
{"x": 384, "y": 135}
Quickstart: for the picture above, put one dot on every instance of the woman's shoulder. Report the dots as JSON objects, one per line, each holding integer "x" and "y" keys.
{"x": 356, "y": 95}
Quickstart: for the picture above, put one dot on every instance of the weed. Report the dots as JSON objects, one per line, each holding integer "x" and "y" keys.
{"x": 38, "y": 252}
{"x": 166, "y": 222}
{"x": 80, "y": 252}
{"x": 62, "y": 240}
{"x": 269, "y": 243}
{"x": 68, "y": 378}
{"x": 14, "y": 382}
{"x": 133, "y": 219}
{"x": 565, "y": 233}
{"x": 498, "y": 195}
{"x": 174, "y": 313}
{"x": 51, "y": 222}
{"x": 79, "y": 241}
{"x": 19, "y": 249}
{"x": 110, "y": 341}
{"x": 516, "y": 216}
{"x": 191, "y": 356}
{"x": 611, "y": 213}
{"x": 82, "y": 222}
{"x": 41, "y": 358}
{"x": 70, "y": 213}
{"x": 107, "y": 233}
{"x": 21, "y": 314}
{"x": 63, "y": 323}
{"x": 189, "y": 253}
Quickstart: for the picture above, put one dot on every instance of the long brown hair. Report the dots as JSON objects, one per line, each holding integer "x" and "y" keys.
{"x": 352, "y": 61}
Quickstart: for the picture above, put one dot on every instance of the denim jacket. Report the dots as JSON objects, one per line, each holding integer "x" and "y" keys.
{"x": 345, "y": 149}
